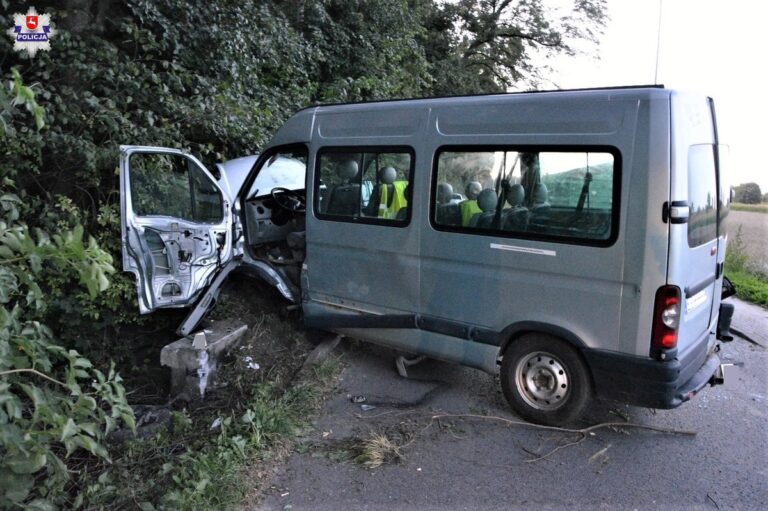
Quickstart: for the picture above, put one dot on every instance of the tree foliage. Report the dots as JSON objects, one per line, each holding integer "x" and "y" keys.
{"x": 53, "y": 402}
{"x": 490, "y": 45}
{"x": 748, "y": 193}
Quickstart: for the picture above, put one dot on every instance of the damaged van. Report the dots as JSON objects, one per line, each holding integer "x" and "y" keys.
{"x": 573, "y": 240}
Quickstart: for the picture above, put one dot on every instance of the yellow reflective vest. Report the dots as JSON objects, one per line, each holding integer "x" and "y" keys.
{"x": 468, "y": 208}
{"x": 399, "y": 201}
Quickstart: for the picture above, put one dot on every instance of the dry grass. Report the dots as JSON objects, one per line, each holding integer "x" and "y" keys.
{"x": 377, "y": 450}
{"x": 754, "y": 235}
{"x": 757, "y": 208}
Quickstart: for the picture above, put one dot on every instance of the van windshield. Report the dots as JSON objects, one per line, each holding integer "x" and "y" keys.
{"x": 284, "y": 170}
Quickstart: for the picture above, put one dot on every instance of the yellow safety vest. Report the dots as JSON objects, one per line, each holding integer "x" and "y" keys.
{"x": 468, "y": 208}
{"x": 398, "y": 201}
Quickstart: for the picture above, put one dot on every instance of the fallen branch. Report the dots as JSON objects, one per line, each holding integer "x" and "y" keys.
{"x": 559, "y": 447}
{"x": 583, "y": 432}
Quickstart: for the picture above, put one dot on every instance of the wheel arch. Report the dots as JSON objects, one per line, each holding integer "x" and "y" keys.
{"x": 516, "y": 330}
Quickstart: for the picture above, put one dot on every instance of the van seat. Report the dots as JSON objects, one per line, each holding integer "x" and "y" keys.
{"x": 344, "y": 200}
{"x": 448, "y": 214}
{"x": 515, "y": 219}
{"x": 487, "y": 202}
{"x": 539, "y": 217}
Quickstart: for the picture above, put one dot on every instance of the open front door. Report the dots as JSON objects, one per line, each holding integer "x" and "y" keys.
{"x": 176, "y": 229}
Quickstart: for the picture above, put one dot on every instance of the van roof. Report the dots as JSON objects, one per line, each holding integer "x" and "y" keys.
{"x": 323, "y": 106}
{"x": 399, "y": 117}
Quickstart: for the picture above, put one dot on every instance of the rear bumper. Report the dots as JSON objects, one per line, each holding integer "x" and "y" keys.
{"x": 643, "y": 381}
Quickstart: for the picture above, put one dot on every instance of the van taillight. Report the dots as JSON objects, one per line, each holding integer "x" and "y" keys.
{"x": 666, "y": 319}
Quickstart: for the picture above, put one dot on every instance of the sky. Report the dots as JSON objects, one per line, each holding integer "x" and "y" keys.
{"x": 709, "y": 46}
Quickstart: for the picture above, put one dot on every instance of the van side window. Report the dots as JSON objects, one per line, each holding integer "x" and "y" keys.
{"x": 369, "y": 186}
{"x": 702, "y": 195}
{"x": 528, "y": 193}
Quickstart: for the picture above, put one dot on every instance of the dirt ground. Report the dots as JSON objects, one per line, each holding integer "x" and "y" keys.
{"x": 754, "y": 234}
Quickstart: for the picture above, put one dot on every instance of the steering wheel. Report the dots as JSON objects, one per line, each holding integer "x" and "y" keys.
{"x": 289, "y": 200}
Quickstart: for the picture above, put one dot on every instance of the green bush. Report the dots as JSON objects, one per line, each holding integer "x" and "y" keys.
{"x": 53, "y": 402}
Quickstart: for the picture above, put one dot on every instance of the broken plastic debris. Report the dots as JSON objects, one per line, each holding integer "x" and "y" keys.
{"x": 357, "y": 399}
{"x": 216, "y": 423}
{"x": 253, "y": 365}
{"x": 365, "y": 408}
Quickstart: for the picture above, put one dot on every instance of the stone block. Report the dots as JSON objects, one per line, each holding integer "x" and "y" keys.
{"x": 191, "y": 367}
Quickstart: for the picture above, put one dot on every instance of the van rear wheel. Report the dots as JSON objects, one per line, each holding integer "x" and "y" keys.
{"x": 545, "y": 380}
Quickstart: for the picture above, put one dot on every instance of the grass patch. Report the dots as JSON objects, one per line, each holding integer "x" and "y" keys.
{"x": 751, "y": 283}
{"x": 755, "y": 208}
{"x": 218, "y": 451}
{"x": 751, "y": 287}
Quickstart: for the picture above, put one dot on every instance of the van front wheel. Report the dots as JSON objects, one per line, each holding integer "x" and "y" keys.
{"x": 545, "y": 380}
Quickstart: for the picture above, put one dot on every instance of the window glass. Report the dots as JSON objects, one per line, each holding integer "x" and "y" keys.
{"x": 702, "y": 195}
{"x": 565, "y": 194}
{"x": 284, "y": 169}
{"x": 173, "y": 185}
{"x": 363, "y": 185}
{"x": 724, "y": 198}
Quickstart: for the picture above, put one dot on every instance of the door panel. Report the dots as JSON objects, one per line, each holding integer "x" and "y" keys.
{"x": 693, "y": 252}
{"x": 176, "y": 225}
{"x": 362, "y": 249}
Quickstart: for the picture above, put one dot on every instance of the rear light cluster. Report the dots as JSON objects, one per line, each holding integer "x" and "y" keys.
{"x": 666, "y": 320}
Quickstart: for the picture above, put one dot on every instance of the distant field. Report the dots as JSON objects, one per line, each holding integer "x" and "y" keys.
{"x": 756, "y": 208}
{"x": 754, "y": 234}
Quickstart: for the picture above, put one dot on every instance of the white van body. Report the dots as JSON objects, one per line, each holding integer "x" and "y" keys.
{"x": 573, "y": 240}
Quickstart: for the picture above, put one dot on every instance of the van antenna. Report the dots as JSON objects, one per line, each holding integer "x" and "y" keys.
{"x": 658, "y": 45}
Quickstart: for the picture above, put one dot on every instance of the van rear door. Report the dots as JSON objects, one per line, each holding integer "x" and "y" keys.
{"x": 693, "y": 253}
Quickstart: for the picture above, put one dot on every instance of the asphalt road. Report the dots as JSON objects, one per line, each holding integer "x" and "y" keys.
{"x": 464, "y": 463}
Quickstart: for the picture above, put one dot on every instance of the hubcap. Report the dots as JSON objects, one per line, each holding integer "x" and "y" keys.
{"x": 542, "y": 380}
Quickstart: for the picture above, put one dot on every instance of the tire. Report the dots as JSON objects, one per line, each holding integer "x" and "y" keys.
{"x": 545, "y": 380}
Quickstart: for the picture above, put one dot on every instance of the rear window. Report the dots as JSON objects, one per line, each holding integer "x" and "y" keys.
{"x": 702, "y": 195}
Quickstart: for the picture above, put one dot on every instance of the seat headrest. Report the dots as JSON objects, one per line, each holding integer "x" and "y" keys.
{"x": 349, "y": 169}
{"x": 473, "y": 190}
{"x": 487, "y": 200}
{"x": 540, "y": 194}
{"x": 444, "y": 193}
{"x": 388, "y": 175}
{"x": 516, "y": 195}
